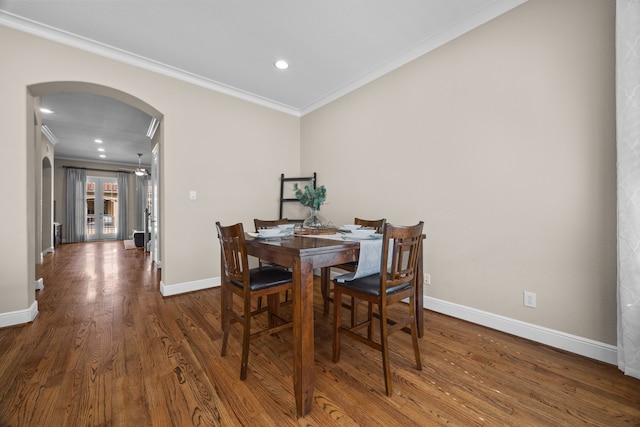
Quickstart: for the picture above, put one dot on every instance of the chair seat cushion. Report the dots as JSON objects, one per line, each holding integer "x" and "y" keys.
{"x": 370, "y": 285}
{"x": 266, "y": 277}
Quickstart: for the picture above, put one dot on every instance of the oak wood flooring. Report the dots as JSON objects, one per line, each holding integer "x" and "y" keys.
{"x": 106, "y": 349}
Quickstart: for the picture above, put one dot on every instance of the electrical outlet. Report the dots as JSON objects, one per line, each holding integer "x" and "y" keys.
{"x": 529, "y": 299}
{"x": 427, "y": 279}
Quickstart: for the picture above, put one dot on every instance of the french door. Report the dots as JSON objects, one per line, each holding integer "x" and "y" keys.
{"x": 101, "y": 208}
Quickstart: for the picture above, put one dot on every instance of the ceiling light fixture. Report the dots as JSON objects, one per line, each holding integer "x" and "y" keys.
{"x": 100, "y": 149}
{"x": 103, "y": 156}
{"x": 46, "y": 110}
{"x": 99, "y": 141}
{"x": 152, "y": 127}
{"x": 140, "y": 171}
{"x": 281, "y": 64}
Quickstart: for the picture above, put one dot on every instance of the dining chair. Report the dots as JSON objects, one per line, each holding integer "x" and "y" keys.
{"x": 261, "y": 224}
{"x": 238, "y": 279}
{"x": 327, "y": 291}
{"x": 268, "y": 223}
{"x": 395, "y": 282}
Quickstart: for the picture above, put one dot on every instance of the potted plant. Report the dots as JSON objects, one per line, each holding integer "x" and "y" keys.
{"x": 313, "y": 198}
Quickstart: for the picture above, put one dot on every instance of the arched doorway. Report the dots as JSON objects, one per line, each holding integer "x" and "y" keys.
{"x": 45, "y": 214}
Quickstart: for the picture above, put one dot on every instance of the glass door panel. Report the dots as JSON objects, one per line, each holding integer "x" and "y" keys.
{"x": 102, "y": 208}
{"x": 91, "y": 210}
{"x": 109, "y": 209}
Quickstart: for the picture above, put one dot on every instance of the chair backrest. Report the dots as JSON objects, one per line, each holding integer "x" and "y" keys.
{"x": 378, "y": 224}
{"x": 399, "y": 264}
{"x": 268, "y": 223}
{"x": 234, "y": 253}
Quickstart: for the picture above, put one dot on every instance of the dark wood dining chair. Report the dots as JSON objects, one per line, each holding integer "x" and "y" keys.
{"x": 238, "y": 279}
{"x": 327, "y": 291}
{"x": 268, "y": 223}
{"x": 395, "y": 282}
{"x": 261, "y": 224}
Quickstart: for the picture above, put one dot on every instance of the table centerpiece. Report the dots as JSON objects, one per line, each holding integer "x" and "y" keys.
{"x": 312, "y": 198}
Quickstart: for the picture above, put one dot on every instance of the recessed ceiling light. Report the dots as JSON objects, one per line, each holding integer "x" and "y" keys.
{"x": 281, "y": 64}
{"x": 99, "y": 141}
{"x": 100, "y": 149}
{"x": 103, "y": 156}
{"x": 46, "y": 111}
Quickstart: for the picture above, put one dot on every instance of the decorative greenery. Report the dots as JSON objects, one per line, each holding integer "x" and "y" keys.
{"x": 311, "y": 197}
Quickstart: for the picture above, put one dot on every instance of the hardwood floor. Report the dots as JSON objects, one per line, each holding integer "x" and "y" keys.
{"x": 108, "y": 350}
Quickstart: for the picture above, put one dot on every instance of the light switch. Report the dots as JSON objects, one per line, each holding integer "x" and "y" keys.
{"x": 192, "y": 194}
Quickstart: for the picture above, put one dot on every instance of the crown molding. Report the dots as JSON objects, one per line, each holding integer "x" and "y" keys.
{"x": 53, "y": 34}
{"x": 490, "y": 12}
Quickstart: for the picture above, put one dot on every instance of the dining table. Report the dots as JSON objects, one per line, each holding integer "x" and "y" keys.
{"x": 304, "y": 254}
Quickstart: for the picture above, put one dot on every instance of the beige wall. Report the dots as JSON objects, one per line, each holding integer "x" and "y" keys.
{"x": 503, "y": 142}
{"x": 230, "y": 151}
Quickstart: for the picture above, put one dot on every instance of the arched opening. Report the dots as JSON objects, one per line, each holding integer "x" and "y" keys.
{"x": 43, "y": 155}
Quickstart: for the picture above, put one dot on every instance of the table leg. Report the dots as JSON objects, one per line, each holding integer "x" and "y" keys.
{"x": 303, "y": 352}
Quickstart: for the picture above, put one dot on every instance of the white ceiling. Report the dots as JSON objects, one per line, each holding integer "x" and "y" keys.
{"x": 333, "y": 46}
{"x": 80, "y": 118}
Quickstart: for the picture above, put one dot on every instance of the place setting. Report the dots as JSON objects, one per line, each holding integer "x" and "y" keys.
{"x": 358, "y": 232}
{"x": 278, "y": 232}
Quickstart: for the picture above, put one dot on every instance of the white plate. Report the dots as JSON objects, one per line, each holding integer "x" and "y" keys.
{"x": 286, "y": 226}
{"x": 349, "y": 227}
{"x": 284, "y": 233}
{"x": 272, "y": 232}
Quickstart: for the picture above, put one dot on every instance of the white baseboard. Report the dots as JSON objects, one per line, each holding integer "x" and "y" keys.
{"x": 583, "y": 346}
{"x": 19, "y": 317}
{"x": 181, "y": 288}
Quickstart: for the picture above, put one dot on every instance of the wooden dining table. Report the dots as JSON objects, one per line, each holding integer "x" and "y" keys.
{"x": 303, "y": 255}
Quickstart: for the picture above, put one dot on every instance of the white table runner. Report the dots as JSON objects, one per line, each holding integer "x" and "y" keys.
{"x": 368, "y": 260}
